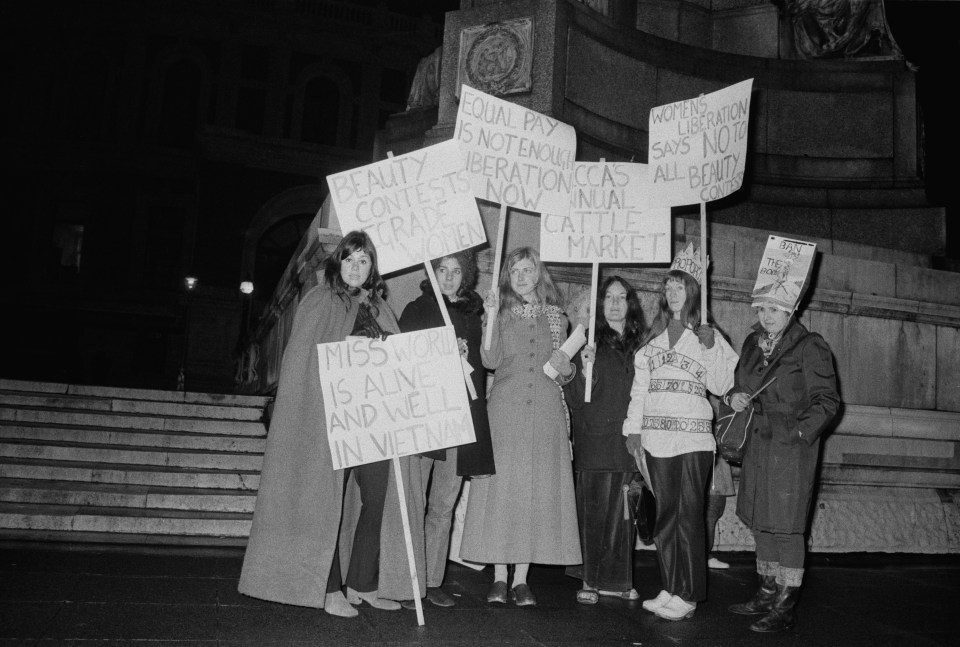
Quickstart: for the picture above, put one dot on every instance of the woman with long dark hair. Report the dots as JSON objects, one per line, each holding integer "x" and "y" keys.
{"x": 444, "y": 469}
{"x": 669, "y": 426}
{"x": 301, "y": 520}
{"x": 604, "y": 468}
{"x": 526, "y": 512}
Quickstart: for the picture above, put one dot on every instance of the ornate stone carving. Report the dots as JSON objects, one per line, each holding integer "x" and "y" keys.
{"x": 497, "y": 58}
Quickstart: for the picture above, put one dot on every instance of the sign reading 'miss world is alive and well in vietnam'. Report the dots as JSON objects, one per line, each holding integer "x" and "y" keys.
{"x": 394, "y": 397}
{"x": 698, "y": 147}
{"x": 607, "y": 221}
{"x": 515, "y": 156}
{"x": 415, "y": 207}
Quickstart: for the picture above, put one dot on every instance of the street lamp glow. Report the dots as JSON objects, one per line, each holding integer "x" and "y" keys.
{"x": 246, "y": 287}
{"x": 190, "y": 282}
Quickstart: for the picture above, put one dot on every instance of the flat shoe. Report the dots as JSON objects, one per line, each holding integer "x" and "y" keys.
{"x": 523, "y": 595}
{"x": 336, "y": 605}
{"x": 676, "y": 609}
{"x": 498, "y": 593}
{"x": 716, "y": 564}
{"x": 409, "y": 604}
{"x": 587, "y": 596}
{"x": 439, "y": 597}
{"x": 652, "y": 605}
{"x": 623, "y": 595}
{"x": 371, "y": 598}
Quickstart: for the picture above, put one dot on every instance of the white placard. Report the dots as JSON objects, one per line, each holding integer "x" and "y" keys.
{"x": 394, "y": 397}
{"x": 698, "y": 147}
{"x": 783, "y": 272}
{"x": 515, "y": 156}
{"x": 607, "y": 221}
{"x": 415, "y": 207}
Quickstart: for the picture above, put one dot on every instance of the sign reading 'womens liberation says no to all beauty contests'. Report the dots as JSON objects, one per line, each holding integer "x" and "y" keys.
{"x": 394, "y": 397}
{"x": 515, "y": 156}
{"x": 607, "y": 221}
{"x": 698, "y": 147}
{"x": 415, "y": 207}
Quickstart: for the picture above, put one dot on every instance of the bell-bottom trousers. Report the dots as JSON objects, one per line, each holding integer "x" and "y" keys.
{"x": 680, "y": 485}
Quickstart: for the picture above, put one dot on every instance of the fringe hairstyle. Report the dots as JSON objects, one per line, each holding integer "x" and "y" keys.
{"x": 352, "y": 242}
{"x": 632, "y": 336}
{"x": 689, "y": 314}
{"x": 546, "y": 291}
{"x": 468, "y": 266}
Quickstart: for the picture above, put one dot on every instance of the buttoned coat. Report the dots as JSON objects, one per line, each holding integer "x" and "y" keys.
{"x": 598, "y": 441}
{"x": 465, "y": 315}
{"x": 526, "y": 512}
{"x": 779, "y": 468}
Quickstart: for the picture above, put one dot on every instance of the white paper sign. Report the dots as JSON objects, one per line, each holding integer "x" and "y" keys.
{"x": 571, "y": 346}
{"x": 783, "y": 271}
{"x": 698, "y": 147}
{"x": 515, "y": 156}
{"x": 415, "y": 207}
{"x": 394, "y": 397}
{"x": 607, "y": 221}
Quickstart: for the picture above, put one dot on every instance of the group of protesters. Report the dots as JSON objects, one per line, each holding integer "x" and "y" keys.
{"x": 552, "y": 473}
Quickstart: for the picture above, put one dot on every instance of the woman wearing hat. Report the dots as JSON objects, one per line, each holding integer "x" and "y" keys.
{"x": 669, "y": 426}
{"x": 783, "y": 445}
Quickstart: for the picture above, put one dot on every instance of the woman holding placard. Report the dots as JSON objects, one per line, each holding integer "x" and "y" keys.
{"x": 604, "y": 468}
{"x": 302, "y": 516}
{"x": 526, "y": 512}
{"x": 456, "y": 275}
{"x": 669, "y": 427}
{"x": 793, "y": 371}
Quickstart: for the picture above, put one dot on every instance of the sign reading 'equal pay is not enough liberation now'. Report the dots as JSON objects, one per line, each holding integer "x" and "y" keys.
{"x": 608, "y": 221}
{"x": 394, "y": 397}
{"x": 415, "y": 207}
{"x": 515, "y": 156}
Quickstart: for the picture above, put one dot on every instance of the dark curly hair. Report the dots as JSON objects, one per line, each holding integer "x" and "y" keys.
{"x": 352, "y": 242}
{"x": 467, "y": 259}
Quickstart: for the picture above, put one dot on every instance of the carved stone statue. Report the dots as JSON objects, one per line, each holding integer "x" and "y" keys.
{"x": 839, "y": 28}
{"x": 425, "y": 89}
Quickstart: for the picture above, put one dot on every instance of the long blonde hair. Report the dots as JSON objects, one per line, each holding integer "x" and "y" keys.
{"x": 546, "y": 291}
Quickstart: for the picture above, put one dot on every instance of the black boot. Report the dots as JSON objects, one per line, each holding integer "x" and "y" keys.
{"x": 761, "y": 600}
{"x": 782, "y": 615}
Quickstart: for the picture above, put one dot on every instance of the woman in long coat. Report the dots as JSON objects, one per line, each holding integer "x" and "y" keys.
{"x": 603, "y": 466}
{"x": 444, "y": 469}
{"x": 526, "y": 512}
{"x": 783, "y": 447}
{"x": 303, "y": 520}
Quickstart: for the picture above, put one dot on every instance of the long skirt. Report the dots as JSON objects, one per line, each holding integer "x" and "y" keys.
{"x": 607, "y": 533}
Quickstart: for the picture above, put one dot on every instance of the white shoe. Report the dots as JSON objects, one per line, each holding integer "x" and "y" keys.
{"x": 715, "y": 563}
{"x": 371, "y": 598}
{"x": 652, "y": 605}
{"x": 676, "y": 609}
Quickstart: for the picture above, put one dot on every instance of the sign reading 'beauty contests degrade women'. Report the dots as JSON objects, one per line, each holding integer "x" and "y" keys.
{"x": 394, "y": 397}
{"x": 515, "y": 156}
{"x": 783, "y": 272}
{"x": 607, "y": 221}
{"x": 698, "y": 147}
{"x": 415, "y": 207}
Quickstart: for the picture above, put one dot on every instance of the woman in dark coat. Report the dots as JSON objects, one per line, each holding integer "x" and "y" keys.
{"x": 783, "y": 446}
{"x": 604, "y": 468}
{"x": 456, "y": 276}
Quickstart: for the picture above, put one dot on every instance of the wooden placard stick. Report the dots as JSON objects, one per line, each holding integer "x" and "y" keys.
{"x": 497, "y": 259}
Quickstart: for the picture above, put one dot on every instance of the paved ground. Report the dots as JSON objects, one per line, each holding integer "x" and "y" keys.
{"x": 96, "y": 595}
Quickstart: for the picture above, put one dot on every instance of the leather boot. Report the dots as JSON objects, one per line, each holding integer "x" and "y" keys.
{"x": 782, "y": 614}
{"x": 761, "y": 600}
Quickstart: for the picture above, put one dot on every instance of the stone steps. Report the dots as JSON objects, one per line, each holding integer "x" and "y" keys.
{"x": 102, "y": 464}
